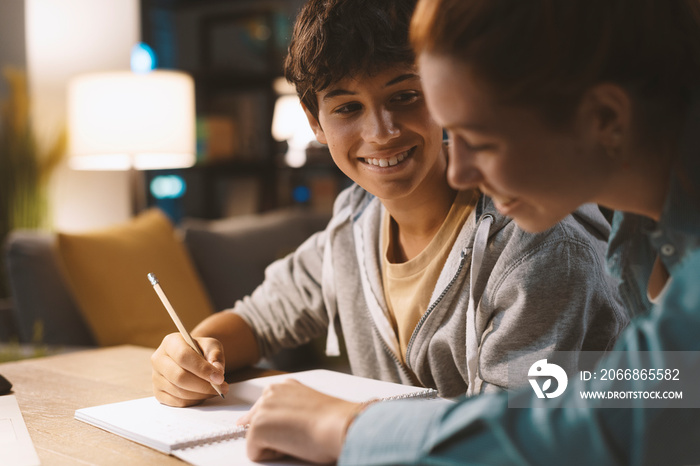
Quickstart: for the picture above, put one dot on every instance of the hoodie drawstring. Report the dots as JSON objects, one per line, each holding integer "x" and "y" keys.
{"x": 480, "y": 242}
{"x": 328, "y": 284}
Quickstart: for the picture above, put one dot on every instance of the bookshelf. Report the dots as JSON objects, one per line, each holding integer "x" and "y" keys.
{"x": 234, "y": 50}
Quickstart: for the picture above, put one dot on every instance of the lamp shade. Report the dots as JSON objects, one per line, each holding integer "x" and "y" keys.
{"x": 123, "y": 120}
{"x": 289, "y": 123}
{"x": 289, "y": 120}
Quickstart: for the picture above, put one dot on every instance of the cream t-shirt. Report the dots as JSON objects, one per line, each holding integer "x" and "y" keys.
{"x": 408, "y": 286}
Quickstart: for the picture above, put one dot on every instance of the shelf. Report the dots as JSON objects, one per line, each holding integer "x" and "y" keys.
{"x": 234, "y": 51}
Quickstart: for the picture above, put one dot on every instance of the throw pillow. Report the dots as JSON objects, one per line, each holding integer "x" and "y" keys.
{"x": 107, "y": 271}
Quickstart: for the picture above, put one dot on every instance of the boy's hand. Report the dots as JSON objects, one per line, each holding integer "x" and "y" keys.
{"x": 293, "y": 419}
{"x": 181, "y": 377}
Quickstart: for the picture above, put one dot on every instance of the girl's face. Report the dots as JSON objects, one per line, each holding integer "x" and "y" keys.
{"x": 534, "y": 174}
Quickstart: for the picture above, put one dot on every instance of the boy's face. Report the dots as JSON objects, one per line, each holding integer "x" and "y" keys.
{"x": 380, "y": 134}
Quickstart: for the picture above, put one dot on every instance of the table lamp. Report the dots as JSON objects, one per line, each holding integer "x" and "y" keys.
{"x": 289, "y": 124}
{"x": 131, "y": 121}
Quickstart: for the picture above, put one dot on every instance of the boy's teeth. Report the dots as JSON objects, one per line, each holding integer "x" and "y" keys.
{"x": 390, "y": 162}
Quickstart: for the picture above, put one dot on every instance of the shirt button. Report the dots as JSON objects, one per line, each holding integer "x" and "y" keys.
{"x": 667, "y": 249}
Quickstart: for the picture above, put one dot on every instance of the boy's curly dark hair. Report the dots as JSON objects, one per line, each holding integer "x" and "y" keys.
{"x": 335, "y": 39}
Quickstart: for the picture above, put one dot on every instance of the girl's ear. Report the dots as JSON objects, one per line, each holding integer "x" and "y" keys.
{"x": 315, "y": 126}
{"x": 608, "y": 108}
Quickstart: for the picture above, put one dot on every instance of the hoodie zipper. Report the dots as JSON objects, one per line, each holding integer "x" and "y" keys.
{"x": 427, "y": 313}
{"x": 401, "y": 365}
{"x": 444, "y": 292}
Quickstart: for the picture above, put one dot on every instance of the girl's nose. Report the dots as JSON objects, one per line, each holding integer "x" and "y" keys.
{"x": 462, "y": 172}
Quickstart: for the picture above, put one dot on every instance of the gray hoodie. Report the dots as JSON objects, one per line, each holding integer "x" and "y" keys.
{"x": 501, "y": 290}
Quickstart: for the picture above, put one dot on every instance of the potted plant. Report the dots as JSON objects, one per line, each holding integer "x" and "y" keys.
{"x": 25, "y": 167}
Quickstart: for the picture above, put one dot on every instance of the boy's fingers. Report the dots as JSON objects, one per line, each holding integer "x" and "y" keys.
{"x": 183, "y": 368}
{"x": 213, "y": 352}
{"x": 209, "y": 369}
{"x": 217, "y": 376}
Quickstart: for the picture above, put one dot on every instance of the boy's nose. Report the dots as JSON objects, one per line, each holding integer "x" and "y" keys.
{"x": 380, "y": 127}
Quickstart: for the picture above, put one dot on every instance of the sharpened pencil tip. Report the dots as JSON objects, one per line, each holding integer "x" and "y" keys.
{"x": 222, "y": 395}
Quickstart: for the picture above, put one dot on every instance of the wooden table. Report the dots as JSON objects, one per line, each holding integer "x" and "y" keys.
{"x": 50, "y": 389}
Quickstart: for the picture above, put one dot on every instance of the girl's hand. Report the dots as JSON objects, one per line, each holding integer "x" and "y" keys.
{"x": 293, "y": 419}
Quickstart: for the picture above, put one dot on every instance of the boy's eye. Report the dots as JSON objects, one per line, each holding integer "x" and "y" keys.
{"x": 346, "y": 109}
{"x": 407, "y": 97}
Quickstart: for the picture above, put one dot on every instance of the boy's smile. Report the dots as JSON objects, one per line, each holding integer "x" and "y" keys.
{"x": 380, "y": 134}
{"x": 384, "y": 162}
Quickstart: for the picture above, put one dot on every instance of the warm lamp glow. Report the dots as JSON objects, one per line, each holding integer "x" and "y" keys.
{"x": 289, "y": 124}
{"x": 124, "y": 120}
{"x": 289, "y": 120}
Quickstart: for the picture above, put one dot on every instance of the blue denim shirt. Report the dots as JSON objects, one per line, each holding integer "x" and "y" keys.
{"x": 483, "y": 430}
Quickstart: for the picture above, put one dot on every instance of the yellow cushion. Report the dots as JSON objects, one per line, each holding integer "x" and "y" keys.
{"x": 107, "y": 271}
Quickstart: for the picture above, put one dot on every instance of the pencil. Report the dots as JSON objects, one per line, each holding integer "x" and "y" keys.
{"x": 178, "y": 323}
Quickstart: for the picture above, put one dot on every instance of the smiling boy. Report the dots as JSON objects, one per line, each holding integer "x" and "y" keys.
{"x": 429, "y": 286}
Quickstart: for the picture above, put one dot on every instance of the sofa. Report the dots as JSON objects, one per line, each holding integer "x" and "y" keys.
{"x": 229, "y": 257}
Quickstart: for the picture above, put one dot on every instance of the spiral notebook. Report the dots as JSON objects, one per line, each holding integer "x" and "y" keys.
{"x": 207, "y": 434}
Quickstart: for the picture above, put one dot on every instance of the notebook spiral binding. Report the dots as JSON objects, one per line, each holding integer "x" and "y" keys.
{"x": 428, "y": 393}
{"x": 240, "y": 431}
{"x": 224, "y": 435}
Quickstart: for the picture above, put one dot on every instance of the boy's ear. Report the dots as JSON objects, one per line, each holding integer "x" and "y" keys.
{"x": 315, "y": 126}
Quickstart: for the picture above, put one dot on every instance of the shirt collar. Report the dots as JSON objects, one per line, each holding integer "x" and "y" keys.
{"x": 636, "y": 239}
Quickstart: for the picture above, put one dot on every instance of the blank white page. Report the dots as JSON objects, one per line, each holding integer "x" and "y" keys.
{"x": 166, "y": 429}
{"x": 16, "y": 445}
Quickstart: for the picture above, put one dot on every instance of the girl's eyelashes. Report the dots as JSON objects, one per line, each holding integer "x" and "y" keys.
{"x": 479, "y": 147}
{"x": 470, "y": 146}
